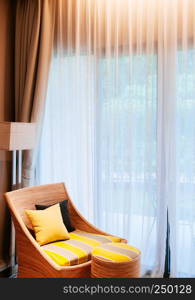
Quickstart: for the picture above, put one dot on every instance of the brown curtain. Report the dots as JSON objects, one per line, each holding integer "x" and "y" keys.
{"x": 33, "y": 47}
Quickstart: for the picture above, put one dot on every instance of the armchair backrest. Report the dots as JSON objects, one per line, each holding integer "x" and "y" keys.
{"x": 26, "y": 198}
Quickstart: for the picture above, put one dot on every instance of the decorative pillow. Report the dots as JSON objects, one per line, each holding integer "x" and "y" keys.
{"x": 64, "y": 212}
{"x": 48, "y": 225}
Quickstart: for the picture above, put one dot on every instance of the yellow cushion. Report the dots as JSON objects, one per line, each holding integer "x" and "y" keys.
{"x": 77, "y": 249}
{"x": 116, "y": 252}
{"x": 48, "y": 225}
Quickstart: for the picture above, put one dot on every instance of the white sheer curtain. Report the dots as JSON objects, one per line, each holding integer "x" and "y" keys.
{"x": 118, "y": 126}
{"x": 67, "y": 136}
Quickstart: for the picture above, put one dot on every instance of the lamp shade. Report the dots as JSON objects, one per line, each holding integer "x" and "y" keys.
{"x": 17, "y": 136}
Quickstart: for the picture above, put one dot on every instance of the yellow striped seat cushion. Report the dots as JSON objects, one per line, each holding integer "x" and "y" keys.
{"x": 116, "y": 252}
{"x": 77, "y": 249}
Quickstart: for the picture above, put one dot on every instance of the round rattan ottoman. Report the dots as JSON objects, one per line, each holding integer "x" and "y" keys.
{"x": 115, "y": 260}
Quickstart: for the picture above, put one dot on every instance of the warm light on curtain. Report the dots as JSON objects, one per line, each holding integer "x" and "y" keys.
{"x": 119, "y": 121}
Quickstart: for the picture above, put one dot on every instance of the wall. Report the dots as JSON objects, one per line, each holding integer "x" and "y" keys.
{"x": 6, "y": 114}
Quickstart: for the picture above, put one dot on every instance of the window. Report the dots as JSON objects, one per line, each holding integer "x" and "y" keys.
{"x": 185, "y": 180}
{"x": 100, "y": 137}
{"x": 126, "y": 180}
{"x": 98, "y": 130}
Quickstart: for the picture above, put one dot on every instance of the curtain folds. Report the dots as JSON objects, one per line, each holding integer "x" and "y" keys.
{"x": 119, "y": 126}
{"x": 33, "y": 48}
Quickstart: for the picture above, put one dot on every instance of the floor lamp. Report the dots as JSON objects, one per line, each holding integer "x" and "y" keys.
{"x": 16, "y": 137}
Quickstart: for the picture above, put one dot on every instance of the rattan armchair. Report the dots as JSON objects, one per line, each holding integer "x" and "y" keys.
{"x": 32, "y": 261}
